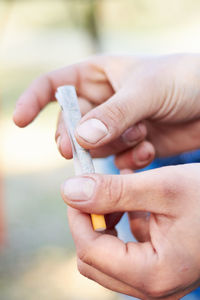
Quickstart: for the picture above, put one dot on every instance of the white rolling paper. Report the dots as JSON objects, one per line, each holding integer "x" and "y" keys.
{"x": 67, "y": 98}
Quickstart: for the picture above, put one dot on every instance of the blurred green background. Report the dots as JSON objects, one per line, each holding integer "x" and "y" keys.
{"x": 37, "y": 260}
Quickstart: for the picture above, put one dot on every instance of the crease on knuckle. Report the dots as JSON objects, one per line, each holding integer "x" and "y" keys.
{"x": 83, "y": 270}
{"x": 115, "y": 188}
{"x": 115, "y": 113}
{"x": 85, "y": 256}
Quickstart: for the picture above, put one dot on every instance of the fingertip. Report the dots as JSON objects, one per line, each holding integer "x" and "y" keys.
{"x": 26, "y": 109}
{"x": 18, "y": 119}
{"x": 15, "y": 119}
{"x": 64, "y": 146}
{"x": 138, "y": 157}
{"x": 144, "y": 153}
{"x": 135, "y": 134}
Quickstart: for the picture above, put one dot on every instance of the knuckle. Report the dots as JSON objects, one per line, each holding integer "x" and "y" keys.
{"x": 116, "y": 113}
{"x": 83, "y": 269}
{"x": 84, "y": 255}
{"x": 115, "y": 186}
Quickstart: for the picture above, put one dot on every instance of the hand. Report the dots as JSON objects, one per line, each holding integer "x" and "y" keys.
{"x": 142, "y": 105}
{"x": 166, "y": 264}
{"x": 161, "y": 92}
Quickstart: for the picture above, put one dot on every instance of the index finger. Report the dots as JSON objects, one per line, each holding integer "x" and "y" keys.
{"x": 88, "y": 77}
{"x": 40, "y": 93}
{"x": 123, "y": 261}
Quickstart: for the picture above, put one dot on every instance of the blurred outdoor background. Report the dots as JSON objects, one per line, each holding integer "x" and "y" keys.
{"x": 37, "y": 259}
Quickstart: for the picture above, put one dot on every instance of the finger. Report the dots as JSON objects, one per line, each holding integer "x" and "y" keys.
{"x": 139, "y": 224}
{"x": 135, "y": 264}
{"x": 40, "y": 93}
{"x": 61, "y": 136}
{"x": 136, "y": 158}
{"x": 120, "y": 287}
{"x": 154, "y": 191}
{"x": 125, "y": 108}
{"x": 139, "y": 221}
{"x": 130, "y": 138}
{"x": 104, "y": 252}
{"x": 85, "y": 105}
{"x": 107, "y": 281}
{"x": 88, "y": 77}
{"x": 62, "y": 139}
{"x": 173, "y": 139}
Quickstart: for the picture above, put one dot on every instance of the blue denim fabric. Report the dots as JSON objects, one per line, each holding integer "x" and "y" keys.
{"x": 185, "y": 158}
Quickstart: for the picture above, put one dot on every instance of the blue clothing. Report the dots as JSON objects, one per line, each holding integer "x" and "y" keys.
{"x": 184, "y": 158}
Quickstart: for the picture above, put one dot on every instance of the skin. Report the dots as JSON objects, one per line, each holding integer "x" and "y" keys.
{"x": 159, "y": 97}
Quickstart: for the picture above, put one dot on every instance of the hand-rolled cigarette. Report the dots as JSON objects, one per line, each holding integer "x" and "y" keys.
{"x": 67, "y": 98}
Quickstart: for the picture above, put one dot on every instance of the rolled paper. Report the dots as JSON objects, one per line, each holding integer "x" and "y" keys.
{"x": 68, "y": 100}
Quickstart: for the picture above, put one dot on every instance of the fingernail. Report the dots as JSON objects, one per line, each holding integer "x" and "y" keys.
{"x": 92, "y": 130}
{"x": 79, "y": 188}
{"x": 144, "y": 154}
{"x": 134, "y": 133}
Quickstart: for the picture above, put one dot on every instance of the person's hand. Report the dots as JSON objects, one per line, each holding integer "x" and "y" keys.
{"x": 133, "y": 106}
{"x": 155, "y": 102}
{"x": 158, "y": 98}
{"x": 165, "y": 263}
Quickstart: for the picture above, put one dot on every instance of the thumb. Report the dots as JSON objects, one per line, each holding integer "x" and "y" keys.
{"x": 150, "y": 191}
{"x": 124, "y": 109}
